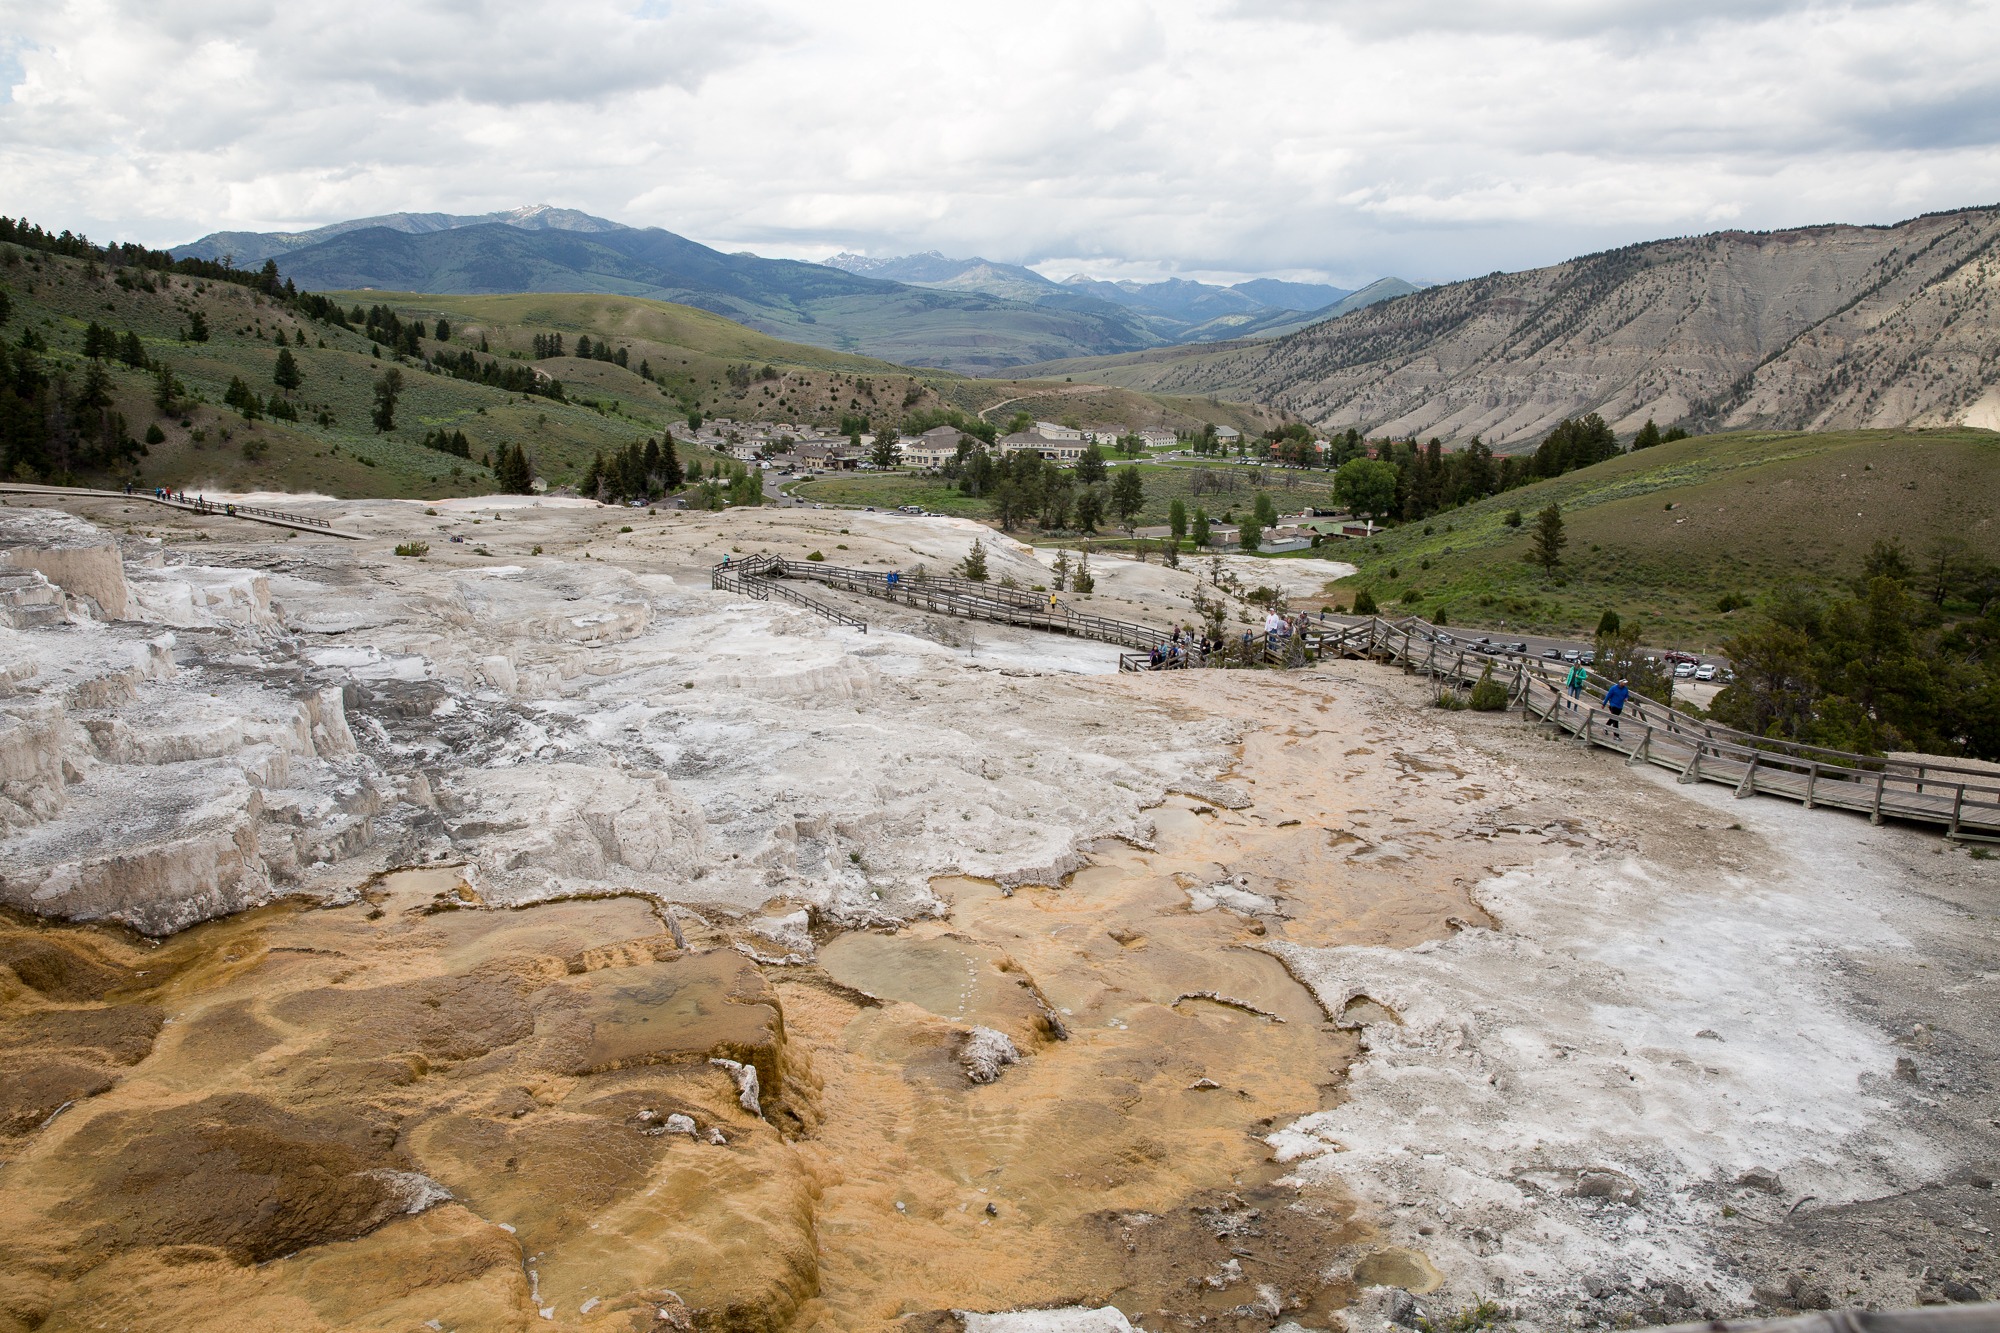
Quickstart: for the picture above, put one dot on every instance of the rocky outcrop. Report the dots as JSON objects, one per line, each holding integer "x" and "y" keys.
{"x": 1818, "y": 327}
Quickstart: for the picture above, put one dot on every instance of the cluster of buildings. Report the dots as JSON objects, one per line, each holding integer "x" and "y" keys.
{"x": 781, "y": 444}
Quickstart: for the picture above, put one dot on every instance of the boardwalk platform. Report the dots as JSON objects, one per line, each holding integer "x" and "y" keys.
{"x": 1963, "y": 801}
{"x": 277, "y": 518}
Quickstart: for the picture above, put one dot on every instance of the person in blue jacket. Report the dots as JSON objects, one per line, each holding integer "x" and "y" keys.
{"x": 1614, "y": 702}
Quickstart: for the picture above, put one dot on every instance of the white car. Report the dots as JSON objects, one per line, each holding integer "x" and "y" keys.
{"x": 1706, "y": 671}
{"x": 1683, "y": 670}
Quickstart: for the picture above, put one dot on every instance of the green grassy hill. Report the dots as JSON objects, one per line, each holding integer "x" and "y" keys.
{"x": 1665, "y": 534}
{"x": 699, "y": 362}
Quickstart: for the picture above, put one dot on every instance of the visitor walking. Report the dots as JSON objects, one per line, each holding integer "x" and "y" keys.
{"x": 1574, "y": 682}
{"x": 1614, "y": 703}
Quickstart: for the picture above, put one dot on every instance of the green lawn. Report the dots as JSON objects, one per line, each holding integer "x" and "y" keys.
{"x": 1222, "y": 491}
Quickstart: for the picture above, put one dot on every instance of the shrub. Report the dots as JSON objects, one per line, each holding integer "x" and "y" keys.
{"x": 1449, "y": 701}
{"x": 154, "y": 435}
{"x": 255, "y": 449}
{"x": 1364, "y": 603}
{"x": 1513, "y": 519}
{"x": 1732, "y": 601}
{"x": 815, "y": 555}
{"x": 413, "y": 548}
{"x": 626, "y": 528}
{"x": 1489, "y": 695}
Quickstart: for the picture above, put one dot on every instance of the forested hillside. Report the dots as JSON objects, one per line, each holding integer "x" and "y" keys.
{"x": 119, "y": 363}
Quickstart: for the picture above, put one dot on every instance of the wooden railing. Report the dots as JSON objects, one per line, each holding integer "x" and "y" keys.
{"x": 178, "y": 500}
{"x": 749, "y": 577}
{"x": 1965, "y": 801}
{"x": 953, "y": 596}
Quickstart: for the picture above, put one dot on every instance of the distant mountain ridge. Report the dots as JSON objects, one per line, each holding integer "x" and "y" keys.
{"x": 1822, "y": 328}
{"x": 1175, "y": 310}
{"x": 248, "y": 249}
{"x": 973, "y": 316}
{"x": 546, "y": 249}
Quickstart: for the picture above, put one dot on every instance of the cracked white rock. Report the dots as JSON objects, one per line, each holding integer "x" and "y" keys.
{"x": 746, "y": 1084}
{"x": 984, "y": 1052}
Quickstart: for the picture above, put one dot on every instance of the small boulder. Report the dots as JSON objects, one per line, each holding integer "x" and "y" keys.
{"x": 1613, "y": 1185}
{"x": 984, "y": 1053}
{"x": 1757, "y": 1178}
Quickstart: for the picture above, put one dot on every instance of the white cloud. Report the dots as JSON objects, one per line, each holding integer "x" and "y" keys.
{"x": 1342, "y": 137}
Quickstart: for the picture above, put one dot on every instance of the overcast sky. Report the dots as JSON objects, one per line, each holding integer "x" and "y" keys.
{"x": 1343, "y": 139}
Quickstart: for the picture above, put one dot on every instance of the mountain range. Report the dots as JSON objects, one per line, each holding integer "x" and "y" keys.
{"x": 970, "y": 316}
{"x": 1822, "y": 327}
{"x": 1175, "y": 310}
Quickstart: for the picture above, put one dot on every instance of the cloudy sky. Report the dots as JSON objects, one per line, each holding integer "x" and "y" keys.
{"x": 1344, "y": 139}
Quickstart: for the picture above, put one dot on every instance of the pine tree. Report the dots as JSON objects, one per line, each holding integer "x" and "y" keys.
{"x": 1200, "y": 531}
{"x": 1090, "y": 466}
{"x": 593, "y": 480}
{"x": 1648, "y": 436}
{"x": 387, "y": 390}
{"x": 286, "y": 373}
{"x": 444, "y": 330}
{"x": 131, "y": 351}
{"x": 1084, "y": 581}
{"x": 197, "y": 329}
{"x": 1549, "y": 539}
{"x": 670, "y": 463}
{"x": 1177, "y": 520}
{"x": 96, "y": 390}
{"x": 1128, "y": 494}
{"x": 974, "y": 565}
{"x": 166, "y": 389}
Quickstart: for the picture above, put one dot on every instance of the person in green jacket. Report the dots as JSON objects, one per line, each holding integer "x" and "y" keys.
{"x": 1578, "y": 677}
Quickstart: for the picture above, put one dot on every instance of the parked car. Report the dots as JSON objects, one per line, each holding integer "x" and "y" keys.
{"x": 1518, "y": 648}
{"x": 1445, "y": 638}
{"x": 1683, "y": 670}
{"x": 1550, "y": 654}
{"x": 1706, "y": 671}
{"x": 1589, "y": 657}
{"x": 1571, "y": 655}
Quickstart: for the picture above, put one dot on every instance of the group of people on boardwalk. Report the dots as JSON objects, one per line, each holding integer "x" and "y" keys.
{"x": 1278, "y": 628}
{"x": 1614, "y": 698}
{"x": 1187, "y": 646}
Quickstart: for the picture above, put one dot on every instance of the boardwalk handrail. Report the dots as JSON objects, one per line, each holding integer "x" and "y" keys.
{"x": 744, "y": 578}
{"x": 1959, "y": 797}
{"x": 960, "y": 597}
{"x": 199, "y": 505}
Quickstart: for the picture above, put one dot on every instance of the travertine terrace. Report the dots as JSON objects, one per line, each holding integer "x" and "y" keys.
{"x": 524, "y": 935}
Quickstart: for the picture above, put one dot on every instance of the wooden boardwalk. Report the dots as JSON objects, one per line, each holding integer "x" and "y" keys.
{"x": 277, "y": 518}
{"x": 942, "y": 594}
{"x": 1963, "y": 801}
